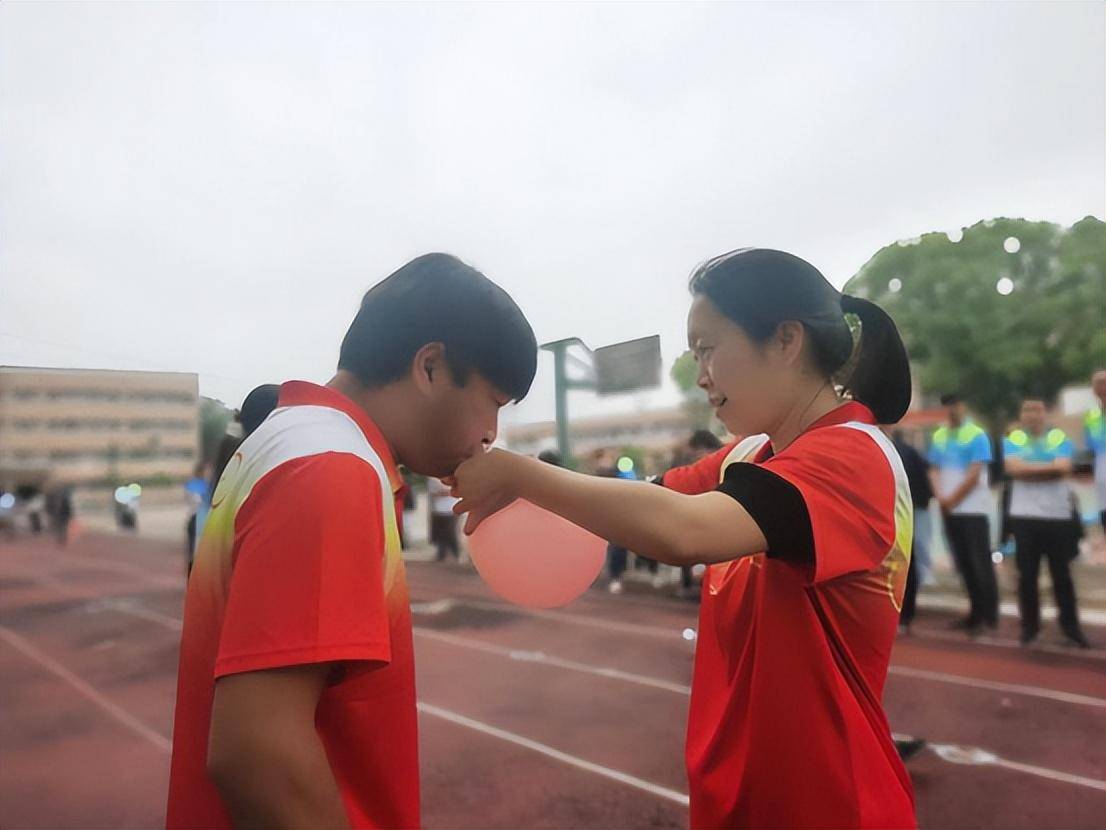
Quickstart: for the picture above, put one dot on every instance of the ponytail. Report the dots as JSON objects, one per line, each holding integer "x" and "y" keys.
{"x": 880, "y": 376}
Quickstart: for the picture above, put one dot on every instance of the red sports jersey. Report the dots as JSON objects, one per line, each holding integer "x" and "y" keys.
{"x": 700, "y": 477}
{"x": 785, "y": 727}
{"x": 300, "y": 563}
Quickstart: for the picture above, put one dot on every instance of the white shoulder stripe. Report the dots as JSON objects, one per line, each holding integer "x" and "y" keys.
{"x": 746, "y": 450}
{"x": 904, "y": 504}
{"x": 296, "y": 432}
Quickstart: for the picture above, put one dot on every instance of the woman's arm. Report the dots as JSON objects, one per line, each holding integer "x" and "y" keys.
{"x": 653, "y": 521}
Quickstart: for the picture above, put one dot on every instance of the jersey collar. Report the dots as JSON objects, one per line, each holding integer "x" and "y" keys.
{"x": 303, "y": 393}
{"x": 843, "y": 414}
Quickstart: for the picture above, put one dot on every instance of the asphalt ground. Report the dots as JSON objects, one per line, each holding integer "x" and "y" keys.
{"x": 567, "y": 718}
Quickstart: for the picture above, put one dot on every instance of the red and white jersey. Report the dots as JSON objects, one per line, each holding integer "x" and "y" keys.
{"x": 785, "y": 728}
{"x": 300, "y": 562}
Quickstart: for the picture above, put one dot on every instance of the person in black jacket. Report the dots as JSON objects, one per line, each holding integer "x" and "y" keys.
{"x": 917, "y": 474}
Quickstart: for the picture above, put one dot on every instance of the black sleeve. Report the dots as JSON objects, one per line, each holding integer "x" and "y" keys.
{"x": 777, "y": 507}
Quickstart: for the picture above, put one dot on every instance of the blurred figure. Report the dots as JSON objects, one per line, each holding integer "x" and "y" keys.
{"x": 405, "y": 503}
{"x": 36, "y": 506}
{"x": 959, "y": 454}
{"x": 197, "y": 491}
{"x": 701, "y": 444}
{"x": 59, "y": 511}
{"x": 698, "y": 476}
{"x": 126, "y": 508}
{"x": 1038, "y": 460}
{"x": 1094, "y": 431}
{"x": 443, "y": 521}
{"x": 551, "y": 457}
{"x": 917, "y": 474}
{"x": 254, "y": 410}
{"x": 604, "y": 464}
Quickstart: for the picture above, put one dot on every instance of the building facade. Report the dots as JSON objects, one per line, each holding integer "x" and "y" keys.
{"x": 657, "y": 433}
{"x": 96, "y": 427}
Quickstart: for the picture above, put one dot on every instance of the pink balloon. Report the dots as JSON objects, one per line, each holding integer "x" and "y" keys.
{"x": 535, "y": 558}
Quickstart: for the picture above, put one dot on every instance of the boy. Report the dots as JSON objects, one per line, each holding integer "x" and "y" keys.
{"x": 296, "y": 696}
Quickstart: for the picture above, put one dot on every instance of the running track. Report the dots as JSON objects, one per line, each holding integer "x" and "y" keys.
{"x": 569, "y": 718}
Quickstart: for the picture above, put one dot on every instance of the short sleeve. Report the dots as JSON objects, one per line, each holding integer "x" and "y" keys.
{"x": 848, "y": 486}
{"x": 307, "y": 582}
{"x": 1065, "y": 450}
{"x": 1010, "y": 449}
{"x": 777, "y": 507}
{"x": 979, "y": 449}
{"x": 700, "y": 477}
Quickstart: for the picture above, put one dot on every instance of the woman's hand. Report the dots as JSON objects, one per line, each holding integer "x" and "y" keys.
{"x": 486, "y": 483}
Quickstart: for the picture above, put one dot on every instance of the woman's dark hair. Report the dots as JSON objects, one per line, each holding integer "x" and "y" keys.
{"x": 437, "y": 298}
{"x": 759, "y": 288}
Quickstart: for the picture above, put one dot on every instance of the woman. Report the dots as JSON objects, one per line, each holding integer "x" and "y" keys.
{"x": 807, "y": 535}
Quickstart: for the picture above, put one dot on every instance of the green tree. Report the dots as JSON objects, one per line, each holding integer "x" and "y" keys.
{"x": 214, "y": 417}
{"x": 1012, "y": 308}
{"x": 685, "y": 372}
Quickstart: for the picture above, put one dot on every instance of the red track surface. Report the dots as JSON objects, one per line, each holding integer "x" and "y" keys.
{"x": 572, "y": 718}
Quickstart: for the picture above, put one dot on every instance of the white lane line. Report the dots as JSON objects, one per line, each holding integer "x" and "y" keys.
{"x": 118, "y": 567}
{"x": 557, "y": 662}
{"x": 1054, "y": 775}
{"x": 135, "y": 609}
{"x": 556, "y": 754}
{"x": 130, "y": 607}
{"x": 673, "y": 633}
{"x": 1012, "y": 688}
{"x": 657, "y": 683}
{"x": 121, "y": 715}
{"x": 1001, "y": 642}
{"x": 974, "y": 756}
{"x": 944, "y": 602}
{"x": 905, "y": 671}
{"x": 950, "y": 753}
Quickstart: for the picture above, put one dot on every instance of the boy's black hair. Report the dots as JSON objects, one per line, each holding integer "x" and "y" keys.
{"x": 704, "y": 439}
{"x": 256, "y": 407}
{"x": 437, "y": 298}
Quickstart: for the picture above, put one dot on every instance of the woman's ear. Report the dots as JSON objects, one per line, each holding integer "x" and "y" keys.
{"x": 790, "y": 338}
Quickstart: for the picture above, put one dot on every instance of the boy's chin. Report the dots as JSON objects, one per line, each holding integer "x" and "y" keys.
{"x": 436, "y": 468}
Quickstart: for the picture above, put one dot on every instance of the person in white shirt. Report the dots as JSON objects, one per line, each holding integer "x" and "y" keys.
{"x": 443, "y": 522}
{"x": 959, "y": 455}
{"x": 1038, "y": 459}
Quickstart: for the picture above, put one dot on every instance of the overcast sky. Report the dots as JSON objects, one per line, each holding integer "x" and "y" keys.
{"x": 211, "y": 188}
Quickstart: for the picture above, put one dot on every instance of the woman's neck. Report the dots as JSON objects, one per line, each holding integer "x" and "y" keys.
{"x": 812, "y": 404}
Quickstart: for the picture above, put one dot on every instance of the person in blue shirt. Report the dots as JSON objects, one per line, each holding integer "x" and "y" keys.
{"x": 959, "y": 455}
{"x": 198, "y": 493}
{"x": 1038, "y": 460}
{"x": 1094, "y": 433}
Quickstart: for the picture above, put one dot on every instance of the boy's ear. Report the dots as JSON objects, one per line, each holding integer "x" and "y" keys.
{"x": 428, "y": 367}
